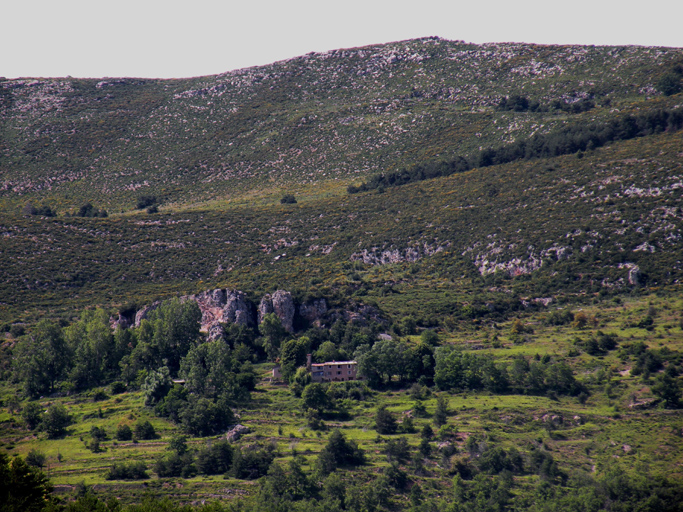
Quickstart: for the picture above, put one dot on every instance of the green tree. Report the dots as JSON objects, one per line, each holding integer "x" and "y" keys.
{"x": 385, "y": 423}
{"x": 441, "y": 412}
{"x": 94, "y": 351}
{"x": 315, "y": 397}
{"x": 157, "y": 385}
{"x": 668, "y": 388}
{"x": 292, "y": 356}
{"x": 339, "y": 452}
{"x": 202, "y": 417}
{"x": 55, "y": 421}
{"x": 124, "y": 433}
{"x": 273, "y": 333}
{"x": 670, "y": 83}
{"x": 210, "y": 371}
{"x": 327, "y": 352}
{"x": 215, "y": 458}
{"x": 429, "y": 337}
{"x": 144, "y": 430}
{"x": 166, "y": 336}
{"x": 32, "y": 414}
{"x": 42, "y": 359}
{"x": 386, "y": 358}
{"x": 302, "y": 378}
{"x": 35, "y": 458}
{"x": 22, "y": 488}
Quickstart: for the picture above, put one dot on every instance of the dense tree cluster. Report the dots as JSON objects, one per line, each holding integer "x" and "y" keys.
{"x": 41, "y": 211}
{"x": 464, "y": 371}
{"x": 166, "y": 345}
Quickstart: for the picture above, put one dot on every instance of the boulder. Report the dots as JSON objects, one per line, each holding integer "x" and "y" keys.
{"x": 236, "y": 432}
{"x": 238, "y": 309}
{"x": 223, "y": 306}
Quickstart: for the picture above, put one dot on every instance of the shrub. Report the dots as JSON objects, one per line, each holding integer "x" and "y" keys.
{"x": 98, "y": 433}
{"x": 146, "y": 201}
{"x": 32, "y": 414}
{"x": 339, "y": 452}
{"x": 288, "y": 199}
{"x": 385, "y": 423}
{"x": 124, "y": 433}
{"x": 117, "y": 388}
{"x": 132, "y": 471}
{"x": 88, "y": 210}
{"x": 397, "y": 450}
{"x": 252, "y": 462}
{"x": 441, "y": 412}
{"x": 204, "y": 418}
{"x": 215, "y": 459}
{"x": 144, "y": 430}
{"x": 55, "y": 421}
{"x": 35, "y": 458}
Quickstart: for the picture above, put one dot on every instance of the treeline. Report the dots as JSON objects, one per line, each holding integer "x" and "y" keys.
{"x": 462, "y": 371}
{"x": 451, "y": 368}
{"x": 563, "y": 141}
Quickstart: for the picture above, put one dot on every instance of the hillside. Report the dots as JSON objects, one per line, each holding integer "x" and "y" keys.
{"x": 335, "y": 117}
{"x": 493, "y": 232}
{"x": 609, "y": 222}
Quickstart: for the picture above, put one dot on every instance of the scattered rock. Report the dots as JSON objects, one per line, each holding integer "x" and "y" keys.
{"x": 236, "y": 432}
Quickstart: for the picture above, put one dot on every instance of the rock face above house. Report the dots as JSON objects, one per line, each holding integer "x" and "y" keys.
{"x": 144, "y": 312}
{"x": 282, "y": 304}
{"x": 313, "y": 311}
{"x": 224, "y": 306}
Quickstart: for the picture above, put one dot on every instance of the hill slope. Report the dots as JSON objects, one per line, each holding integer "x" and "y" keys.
{"x": 338, "y": 117}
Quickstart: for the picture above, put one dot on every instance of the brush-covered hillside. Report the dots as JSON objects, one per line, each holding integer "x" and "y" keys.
{"x": 492, "y": 233}
{"x": 555, "y": 169}
{"x": 336, "y": 117}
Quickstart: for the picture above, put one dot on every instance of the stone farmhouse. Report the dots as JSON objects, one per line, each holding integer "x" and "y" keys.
{"x": 331, "y": 371}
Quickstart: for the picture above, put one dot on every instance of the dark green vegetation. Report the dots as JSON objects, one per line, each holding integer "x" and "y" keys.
{"x": 515, "y": 226}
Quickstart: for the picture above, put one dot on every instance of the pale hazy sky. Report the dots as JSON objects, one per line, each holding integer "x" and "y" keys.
{"x": 174, "y": 38}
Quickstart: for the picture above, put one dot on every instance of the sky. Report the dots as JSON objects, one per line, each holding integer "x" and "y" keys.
{"x": 176, "y": 39}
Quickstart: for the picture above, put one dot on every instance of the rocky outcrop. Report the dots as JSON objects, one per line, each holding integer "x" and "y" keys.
{"x": 282, "y": 304}
{"x": 223, "y": 306}
{"x": 123, "y": 321}
{"x": 236, "y": 432}
{"x": 313, "y": 311}
{"x": 634, "y": 275}
{"x": 145, "y": 311}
